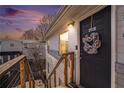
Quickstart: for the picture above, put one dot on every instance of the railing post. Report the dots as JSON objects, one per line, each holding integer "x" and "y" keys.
{"x": 32, "y": 84}
{"x": 22, "y": 74}
{"x": 71, "y": 67}
{"x": 46, "y": 84}
{"x": 31, "y": 81}
{"x": 55, "y": 78}
{"x": 29, "y": 75}
{"x": 29, "y": 78}
{"x": 65, "y": 70}
{"x": 50, "y": 83}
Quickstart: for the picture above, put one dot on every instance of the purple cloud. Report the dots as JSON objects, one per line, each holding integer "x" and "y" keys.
{"x": 19, "y": 18}
{"x": 12, "y": 12}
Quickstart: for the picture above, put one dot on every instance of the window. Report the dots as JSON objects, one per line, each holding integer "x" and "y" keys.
{"x": 25, "y": 46}
{"x": 63, "y": 43}
{"x": 5, "y": 58}
{"x": 11, "y": 45}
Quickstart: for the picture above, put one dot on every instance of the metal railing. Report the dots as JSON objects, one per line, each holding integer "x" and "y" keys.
{"x": 23, "y": 70}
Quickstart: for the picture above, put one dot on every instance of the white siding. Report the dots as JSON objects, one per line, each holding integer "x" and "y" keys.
{"x": 120, "y": 34}
{"x": 73, "y": 42}
{"x": 54, "y": 42}
{"x": 72, "y": 38}
{"x": 120, "y": 47}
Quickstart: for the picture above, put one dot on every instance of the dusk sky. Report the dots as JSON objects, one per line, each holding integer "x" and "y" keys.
{"x": 14, "y": 20}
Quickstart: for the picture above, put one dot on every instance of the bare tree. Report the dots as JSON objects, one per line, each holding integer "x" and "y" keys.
{"x": 30, "y": 35}
{"x": 40, "y": 31}
{"x": 42, "y": 28}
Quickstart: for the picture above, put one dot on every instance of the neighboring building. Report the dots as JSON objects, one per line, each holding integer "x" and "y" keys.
{"x": 10, "y": 49}
{"x": 99, "y": 61}
{"x": 30, "y": 47}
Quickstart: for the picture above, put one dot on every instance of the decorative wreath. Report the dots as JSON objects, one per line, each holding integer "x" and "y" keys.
{"x": 91, "y": 43}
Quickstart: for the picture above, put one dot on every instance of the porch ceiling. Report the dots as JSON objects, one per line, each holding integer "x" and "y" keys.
{"x": 72, "y": 13}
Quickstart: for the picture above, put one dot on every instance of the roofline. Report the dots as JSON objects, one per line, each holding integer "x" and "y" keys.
{"x": 62, "y": 11}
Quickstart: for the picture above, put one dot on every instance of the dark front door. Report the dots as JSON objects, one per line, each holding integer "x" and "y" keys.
{"x": 95, "y": 50}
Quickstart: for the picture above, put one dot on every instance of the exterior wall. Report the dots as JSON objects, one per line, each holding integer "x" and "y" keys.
{"x": 54, "y": 42}
{"x": 6, "y": 46}
{"x": 7, "y": 50}
{"x": 120, "y": 47}
{"x": 73, "y": 44}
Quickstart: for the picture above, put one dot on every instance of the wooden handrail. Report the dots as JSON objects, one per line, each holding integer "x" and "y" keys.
{"x": 4, "y": 68}
{"x": 56, "y": 66}
{"x": 24, "y": 67}
{"x": 63, "y": 57}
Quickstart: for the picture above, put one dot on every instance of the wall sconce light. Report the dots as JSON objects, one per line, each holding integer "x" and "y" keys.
{"x": 70, "y": 25}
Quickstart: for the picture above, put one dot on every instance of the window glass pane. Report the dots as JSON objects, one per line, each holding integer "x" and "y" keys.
{"x": 63, "y": 43}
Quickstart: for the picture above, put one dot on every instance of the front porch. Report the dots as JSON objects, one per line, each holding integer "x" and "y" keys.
{"x": 24, "y": 78}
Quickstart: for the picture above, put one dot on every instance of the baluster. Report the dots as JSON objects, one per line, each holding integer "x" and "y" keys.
{"x": 32, "y": 84}
{"x": 49, "y": 83}
{"x": 55, "y": 78}
{"x": 29, "y": 75}
{"x": 72, "y": 67}
{"x": 31, "y": 81}
{"x": 65, "y": 69}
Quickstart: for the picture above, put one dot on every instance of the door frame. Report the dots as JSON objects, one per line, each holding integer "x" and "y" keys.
{"x": 113, "y": 39}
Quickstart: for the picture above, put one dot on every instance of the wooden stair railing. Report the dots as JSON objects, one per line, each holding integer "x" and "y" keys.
{"x": 24, "y": 67}
{"x": 63, "y": 58}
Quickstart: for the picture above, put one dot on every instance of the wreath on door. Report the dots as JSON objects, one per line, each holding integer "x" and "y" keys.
{"x": 91, "y": 43}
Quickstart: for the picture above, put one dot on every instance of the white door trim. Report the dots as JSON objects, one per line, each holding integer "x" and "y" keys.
{"x": 113, "y": 44}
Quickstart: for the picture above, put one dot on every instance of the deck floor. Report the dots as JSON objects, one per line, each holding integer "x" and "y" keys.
{"x": 38, "y": 84}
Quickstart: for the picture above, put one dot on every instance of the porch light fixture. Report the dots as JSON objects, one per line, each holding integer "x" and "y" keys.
{"x": 70, "y": 25}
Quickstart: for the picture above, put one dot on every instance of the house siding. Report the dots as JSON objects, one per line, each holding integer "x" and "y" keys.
{"x": 119, "y": 77}
{"x": 54, "y": 42}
